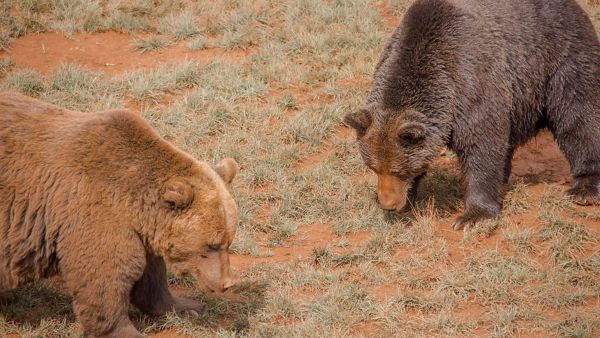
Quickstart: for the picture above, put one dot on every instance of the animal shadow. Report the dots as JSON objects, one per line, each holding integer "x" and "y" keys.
{"x": 32, "y": 303}
{"x": 442, "y": 187}
{"x": 228, "y": 311}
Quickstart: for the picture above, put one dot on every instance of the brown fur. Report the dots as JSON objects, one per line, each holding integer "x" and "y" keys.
{"x": 104, "y": 201}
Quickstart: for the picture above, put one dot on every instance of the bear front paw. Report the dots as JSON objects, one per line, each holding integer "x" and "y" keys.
{"x": 126, "y": 331}
{"x": 585, "y": 190}
{"x": 189, "y": 307}
{"x": 584, "y": 195}
{"x": 474, "y": 214}
{"x": 464, "y": 222}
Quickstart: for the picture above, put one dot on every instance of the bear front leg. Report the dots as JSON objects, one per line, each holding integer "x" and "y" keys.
{"x": 485, "y": 171}
{"x": 151, "y": 293}
{"x": 125, "y": 330}
{"x": 101, "y": 305}
{"x": 482, "y": 202}
{"x": 99, "y": 270}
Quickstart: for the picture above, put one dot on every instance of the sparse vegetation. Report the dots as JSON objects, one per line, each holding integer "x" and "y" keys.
{"x": 27, "y": 81}
{"x": 6, "y": 64}
{"x": 179, "y": 26}
{"x": 150, "y": 45}
{"x": 316, "y": 255}
{"x": 166, "y": 79}
{"x": 517, "y": 199}
{"x": 198, "y": 43}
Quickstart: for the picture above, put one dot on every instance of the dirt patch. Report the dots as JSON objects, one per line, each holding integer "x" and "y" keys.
{"x": 316, "y": 158}
{"x": 355, "y": 82}
{"x": 385, "y": 291}
{"x": 110, "y": 52}
{"x": 470, "y": 310}
{"x": 366, "y": 329}
{"x": 540, "y": 160}
{"x": 387, "y": 15}
{"x": 299, "y": 247}
{"x": 167, "y": 334}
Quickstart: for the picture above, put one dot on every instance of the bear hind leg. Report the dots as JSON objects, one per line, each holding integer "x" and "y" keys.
{"x": 581, "y": 146}
{"x": 575, "y": 123}
{"x": 151, "y": 293}
{"x": 508, "y": 166}
{"x": 585, "y": 191}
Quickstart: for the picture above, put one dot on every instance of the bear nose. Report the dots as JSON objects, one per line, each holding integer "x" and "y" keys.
{"x": 391, "y": 192}
{"x": 228, "y": 283}
{"x": 386, "y": 203}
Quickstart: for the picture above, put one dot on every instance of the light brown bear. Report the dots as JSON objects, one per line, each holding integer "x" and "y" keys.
{"x": 102, "y": 200}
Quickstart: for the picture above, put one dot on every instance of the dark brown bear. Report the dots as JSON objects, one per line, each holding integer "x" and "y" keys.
{"x": 104, "y": 201}
{"x": 482, "y": 77}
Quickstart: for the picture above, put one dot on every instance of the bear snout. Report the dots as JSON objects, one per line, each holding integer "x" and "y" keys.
{"x": 391, "y": 192}
{"x": 386, "y": 203}
{"x": 228, "y": 283}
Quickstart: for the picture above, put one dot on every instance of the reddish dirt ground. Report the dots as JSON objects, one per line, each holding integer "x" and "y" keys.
{"x": 110, "y": 52}
{"x": 165, "y": 334}
{"x": 541, "y": 159}
{"x": 300, "y": 247}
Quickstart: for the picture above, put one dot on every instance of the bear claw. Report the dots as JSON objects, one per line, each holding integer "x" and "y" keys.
{"x": 189, "y": 307}
{"x": 473, "y": 215}
{"x": 585, "y": 191}
{"x": 583, "y": 199}
{"x": 193, "y": 314}
{"x": 463, "y": 224}
{"x": 583, "y": 196}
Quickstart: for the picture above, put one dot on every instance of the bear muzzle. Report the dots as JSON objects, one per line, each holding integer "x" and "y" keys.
{"x": 391, "y": 192}
{"x": 228, "y": 283}
{"x": 218, "y": 286}
{"x": 216, "y": 276}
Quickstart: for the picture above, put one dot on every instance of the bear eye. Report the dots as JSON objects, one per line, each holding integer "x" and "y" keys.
{"x": 213, "y": 247}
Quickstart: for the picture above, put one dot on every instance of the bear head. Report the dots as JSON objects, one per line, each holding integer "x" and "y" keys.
{"x": 398, "y": 145}
{"x": 203, "y": 221}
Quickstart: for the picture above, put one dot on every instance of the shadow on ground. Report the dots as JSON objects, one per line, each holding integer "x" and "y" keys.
{"x": 228, "y": 311}
{"x": 442, "y": 186}
{"x": 34, "y": 303}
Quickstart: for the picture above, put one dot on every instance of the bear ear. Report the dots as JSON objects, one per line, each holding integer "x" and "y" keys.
{"x": 178, "y": 193}
{"x": 411, "y": 132}
{"x": 360, "y": 120}
{"x": 227, "y": 169}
